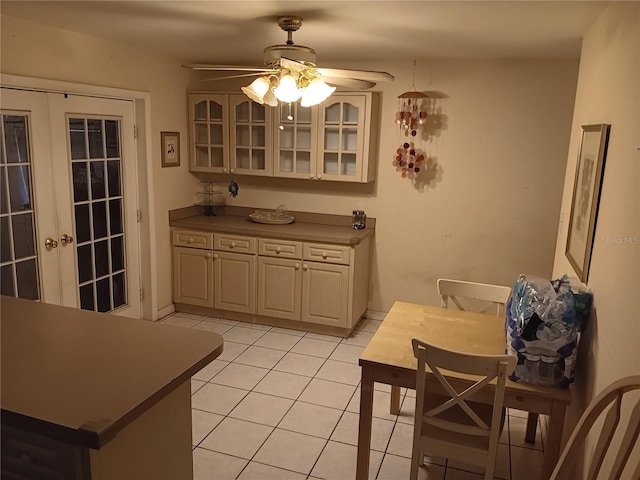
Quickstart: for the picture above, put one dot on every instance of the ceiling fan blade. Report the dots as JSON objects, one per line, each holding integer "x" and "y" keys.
{"x": 241, "y": 75}
{"x": 225, "y": 68}
{"x": 367, "y": 75}
{"x": 348, "y": 82}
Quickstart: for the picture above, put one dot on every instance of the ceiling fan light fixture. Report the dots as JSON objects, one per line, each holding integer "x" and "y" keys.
{"x": 257, "y": 90}
{"x": 287, "y": 90}
{"x": 270, "y": 99}
{"x": 316, "y": 92}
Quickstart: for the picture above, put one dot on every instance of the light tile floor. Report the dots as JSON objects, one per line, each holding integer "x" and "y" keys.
{"x": 282, "y": 404}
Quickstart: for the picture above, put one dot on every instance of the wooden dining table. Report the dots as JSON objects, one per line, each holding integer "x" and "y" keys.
{"x": 388, "y": 358}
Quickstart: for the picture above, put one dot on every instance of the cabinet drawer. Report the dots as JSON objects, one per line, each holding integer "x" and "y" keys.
{"x": 326, "y": 253}
{"x": 27, "y": 455}
{"x": 235, "y": 243}
{"x": 279, "y": 248}
{"x": 188, "y": 238}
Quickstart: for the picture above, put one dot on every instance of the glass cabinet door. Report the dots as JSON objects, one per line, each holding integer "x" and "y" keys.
{"x": 295, "y": 138}
{"x": 209, "y": 125}
{"x": 342, "y": 138}
{"x": 250, "y": 136}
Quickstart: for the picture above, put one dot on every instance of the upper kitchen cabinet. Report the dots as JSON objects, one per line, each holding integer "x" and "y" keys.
{"x": 347, "y": 138}
{"x": 208, "y": 133}
{"x": 251, "y": 134}
{"x": 334, "y": 141}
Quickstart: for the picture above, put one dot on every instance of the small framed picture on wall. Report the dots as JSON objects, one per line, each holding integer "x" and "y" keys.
{"x": 170, "y": 149}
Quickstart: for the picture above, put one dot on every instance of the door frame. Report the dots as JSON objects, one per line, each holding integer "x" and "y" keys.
{"x": 143, "y": 149}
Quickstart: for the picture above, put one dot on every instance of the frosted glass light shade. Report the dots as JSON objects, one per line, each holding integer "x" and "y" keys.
{"x": 270, "y": 99}
{"x": 287, "y": 91}
{"x": 316, "y": 92}
{"x": 257, "y": 90}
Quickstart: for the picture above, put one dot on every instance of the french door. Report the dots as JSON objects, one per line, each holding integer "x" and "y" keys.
{"x": 69, "y": 201}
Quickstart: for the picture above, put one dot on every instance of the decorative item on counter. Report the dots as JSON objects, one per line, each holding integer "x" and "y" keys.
{"x": 213, "y": 197}
{"x": 358, "y": 220}
{"x": 233, "y": 188}
{"x": 279, "y": 216}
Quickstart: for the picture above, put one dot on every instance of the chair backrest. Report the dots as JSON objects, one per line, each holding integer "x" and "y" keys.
{"x": 485, "y": 367}
{"x": 497, "y": 296}
{"x": 611, "y": 397}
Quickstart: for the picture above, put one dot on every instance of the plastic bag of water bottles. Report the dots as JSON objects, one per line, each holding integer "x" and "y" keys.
{"x": 543, "y": 321}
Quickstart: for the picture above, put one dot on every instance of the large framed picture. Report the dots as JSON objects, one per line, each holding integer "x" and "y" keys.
{"x": 586, "y": 196}
{"x": 170, "y": 149}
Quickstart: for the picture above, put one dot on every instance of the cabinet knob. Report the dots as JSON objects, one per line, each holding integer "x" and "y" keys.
{"x": 311, "y": 175}
{"x": 225, "y": 170}
{"x": 190, "y": 240}
{"x": 50, "y": 243}
{"x": 278, "y": 249}
{"x": 320, "y": 176}
{"x": 215, "y": 255}
{"x": 233, "y": 244}
{"x": 324, "y": 255}
{"x": 232, "y": 170}
{"x": 208, "y": 255}
{"x": 297, "y": 266}
{"x": 305, "y": 266}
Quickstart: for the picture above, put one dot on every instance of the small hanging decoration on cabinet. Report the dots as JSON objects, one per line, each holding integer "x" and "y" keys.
{"x": 410, "y": 117}
{"x": 233, "y": 188}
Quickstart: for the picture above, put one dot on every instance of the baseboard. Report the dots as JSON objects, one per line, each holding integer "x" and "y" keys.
{"x": 168, "y": 310}
{"x": 373, "y": 315}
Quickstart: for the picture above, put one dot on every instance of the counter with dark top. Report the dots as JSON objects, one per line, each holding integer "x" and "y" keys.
{"x": 90, "y": 380}
{"x": 307, "y": 227}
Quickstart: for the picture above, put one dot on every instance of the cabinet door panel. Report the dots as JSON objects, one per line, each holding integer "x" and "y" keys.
{"x": 235, "y": 282}
{"x": 279, "y": 287}
{"x": 325, "y": 294}
{"x": 208, "y": 133}
{"x": 192, "y": 276}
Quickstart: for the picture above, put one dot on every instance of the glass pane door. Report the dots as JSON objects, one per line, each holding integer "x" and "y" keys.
{"x": 98, "y": 212}
{"x": 19, "y": 255}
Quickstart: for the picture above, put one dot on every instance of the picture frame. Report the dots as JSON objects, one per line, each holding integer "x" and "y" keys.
{"x": 170, "y": 149}
{"x": 586, "y": 197}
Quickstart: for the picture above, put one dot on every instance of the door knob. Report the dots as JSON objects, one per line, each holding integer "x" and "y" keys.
{"x": 66, "y": 239}
{"x": 50, "y": 243}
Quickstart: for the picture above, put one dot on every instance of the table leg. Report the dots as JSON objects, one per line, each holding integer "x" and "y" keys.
{"x": 394, "y": 408}
{"x": 532, "y": 423}
{"x": 364, "y": 429}
{"x": 554, "y": 439}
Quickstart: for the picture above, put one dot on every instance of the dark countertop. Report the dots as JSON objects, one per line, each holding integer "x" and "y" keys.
{"x": 81, "y": 377}
{"x": 306, "y": 227}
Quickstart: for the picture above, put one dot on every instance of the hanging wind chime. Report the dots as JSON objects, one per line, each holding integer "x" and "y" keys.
{"x": 410, "y": 117}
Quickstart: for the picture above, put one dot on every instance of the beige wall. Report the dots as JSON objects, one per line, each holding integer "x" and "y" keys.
{"x": 608, "y": 92}
{"x": 499, "y": 133}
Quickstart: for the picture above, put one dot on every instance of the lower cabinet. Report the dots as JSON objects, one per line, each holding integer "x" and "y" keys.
{"x": 192, "y": 271}
{"x": 279, "y": 287}
{"x": 325, "y": 294}
{"x": 235, "y": 282}
{"x": 313, "y": 283}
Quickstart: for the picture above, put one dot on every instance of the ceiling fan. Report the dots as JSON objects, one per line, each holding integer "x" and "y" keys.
{"x": 291, "y": 74}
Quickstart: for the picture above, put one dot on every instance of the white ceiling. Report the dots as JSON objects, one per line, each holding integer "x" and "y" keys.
{"x": 236, "y": 32}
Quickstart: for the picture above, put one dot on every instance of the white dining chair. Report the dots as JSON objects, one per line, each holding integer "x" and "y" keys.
{"x": 496, "y": 296}
{"x": 452, "y": 424}
{"x": 611, "y": 398}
